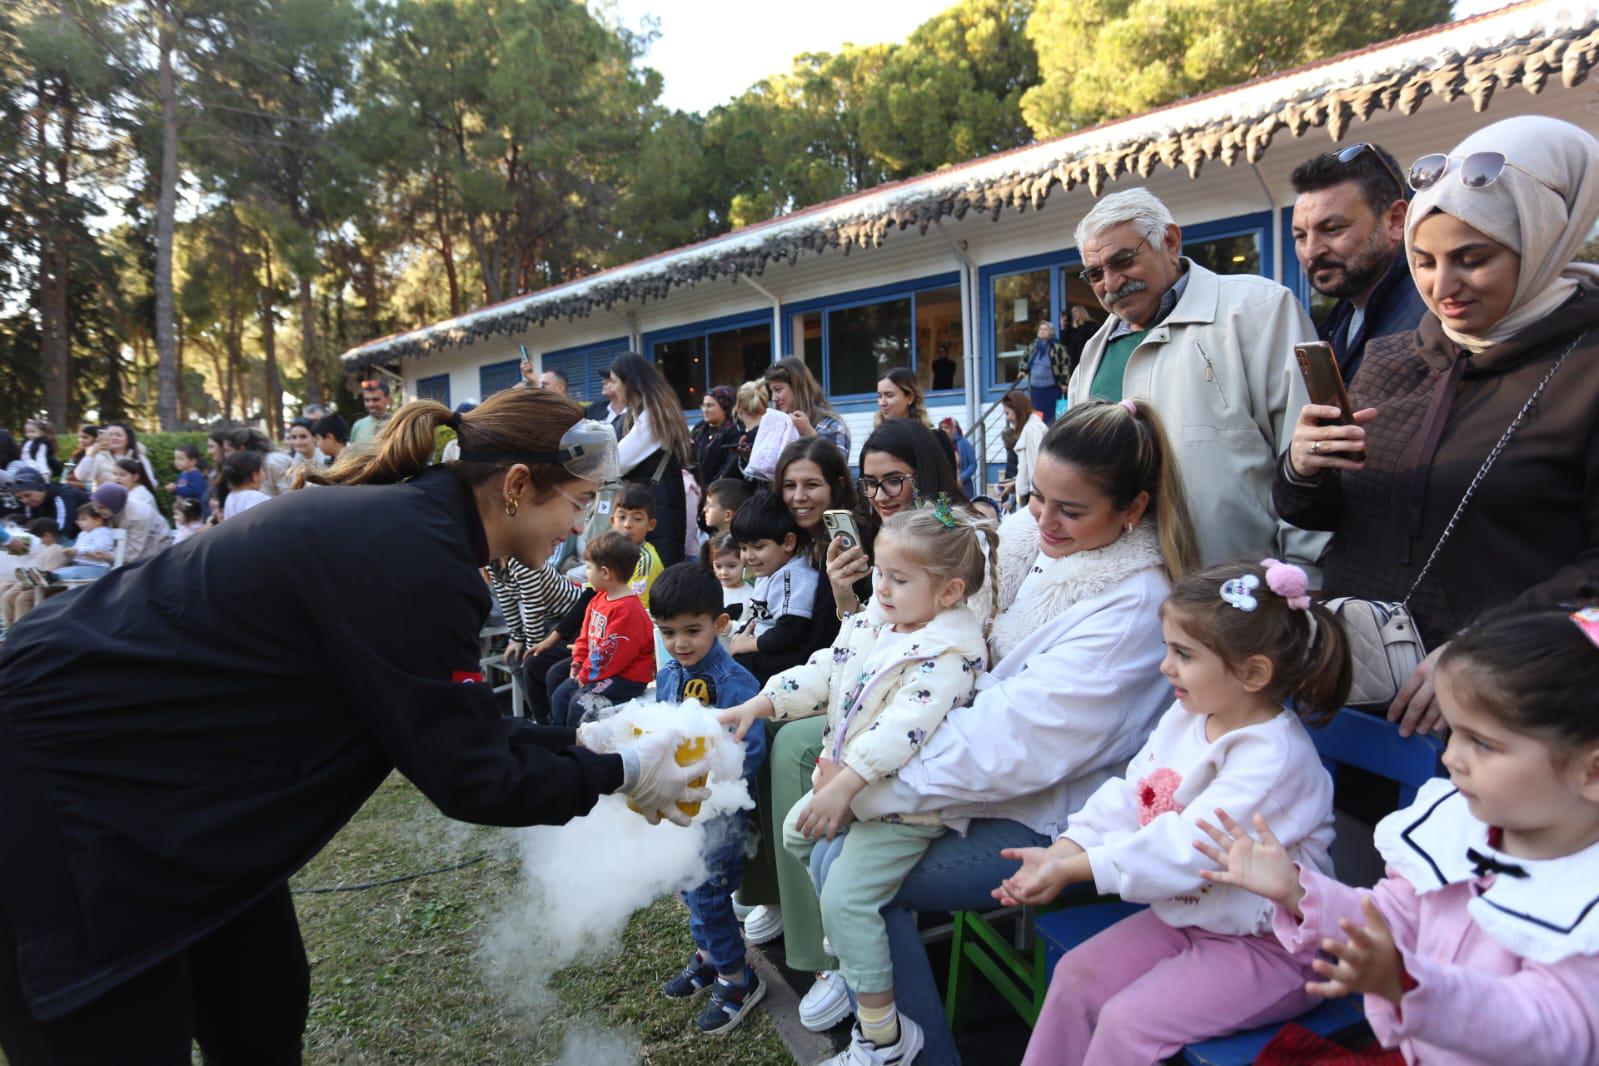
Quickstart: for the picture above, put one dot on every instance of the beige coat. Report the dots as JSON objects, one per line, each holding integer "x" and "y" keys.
{"x": 1220, "y": 371}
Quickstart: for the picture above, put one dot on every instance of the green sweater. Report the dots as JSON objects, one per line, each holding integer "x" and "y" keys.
{"x": 1112, "y": 368}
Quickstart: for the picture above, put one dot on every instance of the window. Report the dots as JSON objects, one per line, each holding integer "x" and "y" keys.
{"x": 436, "y": 387}
{"x": 850, "y": 347}
{"x": 1021, "y": 303}
{"x": 694, "y": 362}
{"x": 584, "y": 367}
{"x": 498, "y": 376}
{"x": 1238, "y": 254}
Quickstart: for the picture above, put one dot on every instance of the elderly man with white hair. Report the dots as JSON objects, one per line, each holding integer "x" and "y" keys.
{"x": 1214, "y": 355}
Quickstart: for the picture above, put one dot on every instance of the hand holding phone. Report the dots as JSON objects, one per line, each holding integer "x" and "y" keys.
{"x": 1328, "y": 434}
{"x": 840, "y": 526}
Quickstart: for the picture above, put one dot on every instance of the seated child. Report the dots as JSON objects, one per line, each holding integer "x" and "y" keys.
{"x": 95, "y": 550}
{"x": 722, "y": 500}
{"x": 886, "y": 683}
{"x": 531, "y": 601}
{"x": 613, "y": 658}
{"x": 780, "y": 605}
{"x": 1482, "y": 943}
{"x": 1241, "y": 639}
{"x": 727, "y": 563}
{"x": 633, "y": 516}
{"x": 16, "y": 597}
{"x": 243, "y": 473}
{"x": 689, "y": 615}
{"x": 190, "y": 515}
{"x": 190, "y": 484}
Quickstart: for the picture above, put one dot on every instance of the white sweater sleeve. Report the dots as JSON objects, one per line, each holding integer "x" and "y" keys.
{"x": 638, "y": 445}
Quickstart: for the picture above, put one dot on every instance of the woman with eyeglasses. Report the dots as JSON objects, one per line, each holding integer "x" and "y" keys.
{"x": 176, "y": 740}
{"x": 1510, "y": 340}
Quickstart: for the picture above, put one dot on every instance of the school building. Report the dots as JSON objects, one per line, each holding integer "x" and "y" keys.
{"x": 950, "y": 273}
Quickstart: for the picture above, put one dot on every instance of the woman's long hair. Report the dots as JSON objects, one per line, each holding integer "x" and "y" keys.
{"x": 1020, "y": 405}
{"x": 919, "y": 448}
{"x": 648, "y": 391}
{"x": 809, "y": 399}
{"x": 512, "y": 420}
{"x": 835, "y": 471}
{"x": 905, "y": 380}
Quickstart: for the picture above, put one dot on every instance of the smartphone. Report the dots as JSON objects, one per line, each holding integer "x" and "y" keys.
{"x": 527, "y": 360}
{"x": 840, "y": 525}
{"x": 1318, "y": 363}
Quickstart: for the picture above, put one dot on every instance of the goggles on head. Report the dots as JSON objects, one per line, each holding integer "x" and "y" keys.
{"x": 587, "y": 450}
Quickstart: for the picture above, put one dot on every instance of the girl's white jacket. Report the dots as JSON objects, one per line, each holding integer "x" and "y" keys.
{"x": 1074, "y": 691}
{"x": 876, "y": 722}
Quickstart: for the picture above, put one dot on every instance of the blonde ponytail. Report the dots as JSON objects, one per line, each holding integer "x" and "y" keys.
{"x": 403, "y": 450}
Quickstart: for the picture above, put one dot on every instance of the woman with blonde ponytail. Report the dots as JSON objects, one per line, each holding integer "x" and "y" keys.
{"x": 1074, "y": 688}
{"x": 183, "y": 717}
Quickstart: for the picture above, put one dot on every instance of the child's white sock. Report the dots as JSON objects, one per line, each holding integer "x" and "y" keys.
{"x": 880, "y": 1025}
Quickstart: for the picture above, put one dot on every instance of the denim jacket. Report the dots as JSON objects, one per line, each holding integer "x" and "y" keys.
{"x": 725, "y": 684}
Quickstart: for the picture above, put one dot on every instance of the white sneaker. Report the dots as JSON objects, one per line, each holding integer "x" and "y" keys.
{"x": 764, "y": 923}
{"x": 862, "y": 1052}
{"x": 740, "y": 911}
{"x": 826, "y": 1004}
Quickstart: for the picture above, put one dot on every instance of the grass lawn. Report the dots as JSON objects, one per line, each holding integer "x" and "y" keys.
{"x": 396, "y": 974}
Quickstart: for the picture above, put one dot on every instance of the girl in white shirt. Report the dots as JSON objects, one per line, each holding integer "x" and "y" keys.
{"x": 1241, "y": 640}
{"x": 243, "y": 472}
{"x": 131, "y": 476}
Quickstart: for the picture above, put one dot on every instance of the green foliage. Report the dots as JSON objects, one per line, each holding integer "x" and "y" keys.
{"x": 158, "y": 448}
{"x": 1106, "y": 59}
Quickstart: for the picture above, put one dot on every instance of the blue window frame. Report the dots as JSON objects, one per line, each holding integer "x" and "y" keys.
{"x": 436, "y": 387}
{"x": 1015, "y": 296}
{"x": 850, "y": 340}
{"x": 720, "y": 351}
{"x": 584, "y": 365}
{"x": 496, "y": 377}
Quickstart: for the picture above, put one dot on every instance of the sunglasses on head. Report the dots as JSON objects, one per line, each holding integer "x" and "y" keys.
{"x": 1477, "y": 171}
{"x": 1353, "y": 152}
{"x": 371, "y": 384}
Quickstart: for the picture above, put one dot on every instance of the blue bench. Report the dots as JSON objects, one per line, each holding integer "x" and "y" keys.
{"x": 1351, "y": 739}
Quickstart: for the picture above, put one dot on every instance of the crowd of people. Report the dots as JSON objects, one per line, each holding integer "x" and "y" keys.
{"x": 956, "y": 703}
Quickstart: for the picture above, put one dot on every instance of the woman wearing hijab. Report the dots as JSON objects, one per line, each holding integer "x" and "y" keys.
{"x": 715, "y": 439}
{"x": 1491, "y": 235}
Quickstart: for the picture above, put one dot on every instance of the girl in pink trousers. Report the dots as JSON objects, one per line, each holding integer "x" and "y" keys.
{"x": 1482, "y": 943}
{"x": 1241, "y": 640}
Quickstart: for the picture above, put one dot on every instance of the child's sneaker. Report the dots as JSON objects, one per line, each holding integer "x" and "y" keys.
{"x": 729, "y": 1003}
{"x": 695, "y": 978}
{"x": 862, "y": 1052}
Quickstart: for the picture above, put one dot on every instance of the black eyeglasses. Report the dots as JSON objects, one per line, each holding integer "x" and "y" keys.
{"x": 1348, "y": 155}
{"x": 1118, "y": 262}
{"x": 1477, "y": 171}
{"x": 890, "y": 486}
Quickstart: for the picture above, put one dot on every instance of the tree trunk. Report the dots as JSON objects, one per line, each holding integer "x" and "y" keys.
{"x": 52, "y": 273}
{"x": 269, "y": 342}
{"x": 309, "y": 352}
{"x": 166, "y": 403}
{"x": 449, "y": 265}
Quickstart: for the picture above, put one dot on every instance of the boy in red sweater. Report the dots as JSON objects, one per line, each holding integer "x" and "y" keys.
{"x": 613, "y": 658}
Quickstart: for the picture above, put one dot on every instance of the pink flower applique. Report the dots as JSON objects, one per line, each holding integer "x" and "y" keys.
{"x": 1155, "y": 792}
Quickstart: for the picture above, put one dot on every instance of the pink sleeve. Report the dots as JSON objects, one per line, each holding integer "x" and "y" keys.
{"x": 1327, "y": 901}
{"x": 1543, "y": 1014}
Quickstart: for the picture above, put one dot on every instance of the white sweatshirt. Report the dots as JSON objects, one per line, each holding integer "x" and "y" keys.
{"x": 1139, "y": 831}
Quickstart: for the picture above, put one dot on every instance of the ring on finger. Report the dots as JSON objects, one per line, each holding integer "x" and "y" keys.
{"x": 1315, "y": 447}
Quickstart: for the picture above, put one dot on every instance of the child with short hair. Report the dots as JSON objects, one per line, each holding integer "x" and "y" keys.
{"x": 1242, "y": 640}
{"x": 722, "y": 500}
{"x": 190, "y": 516}
{"x": 242, "y": 473}
{"x": 633, "y": 516}
{"x": 16, "y": 597}
{"x": 1481, "y": 945}
{"x": 781, "y": 603}
{"x": 95, "y": 549}
{"x": 689, "y": 615}
{"x": 131, "y": 475}
{"x": 886, "y": 683}
{"x": 190, "y": 483}
{"x": 613, "y": 658}
{"x": 727, "y": 563}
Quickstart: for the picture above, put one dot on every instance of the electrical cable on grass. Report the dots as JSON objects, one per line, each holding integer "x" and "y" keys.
{"x": 362, "y": 887}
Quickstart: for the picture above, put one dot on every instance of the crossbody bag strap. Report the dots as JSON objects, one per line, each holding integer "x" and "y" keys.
{"x": 1487, "y": 465}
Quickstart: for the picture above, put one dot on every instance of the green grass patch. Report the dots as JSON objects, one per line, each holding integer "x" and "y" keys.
{"x": 396, "y": 974}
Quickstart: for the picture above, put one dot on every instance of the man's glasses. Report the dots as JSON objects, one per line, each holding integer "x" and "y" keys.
{"x": 1348, "y": 155}
{"x": 1477, "y": 171}
{"x": 1118, "y": 262}
{"x": 890, "y": 486}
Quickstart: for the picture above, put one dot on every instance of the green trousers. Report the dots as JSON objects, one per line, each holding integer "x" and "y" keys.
{"x": 773, "y": 875}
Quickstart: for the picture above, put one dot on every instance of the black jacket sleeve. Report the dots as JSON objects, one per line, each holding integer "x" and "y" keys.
{"x": 1313, "y": 505}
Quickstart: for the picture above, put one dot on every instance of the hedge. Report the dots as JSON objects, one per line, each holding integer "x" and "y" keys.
{"x": 159, "y": 448}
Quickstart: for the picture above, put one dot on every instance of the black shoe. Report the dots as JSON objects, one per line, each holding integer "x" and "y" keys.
{"x": 697, "y": 976}
{"x": 730, "y": 1002}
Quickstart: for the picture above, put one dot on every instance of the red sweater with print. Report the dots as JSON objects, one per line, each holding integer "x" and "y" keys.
{"x": 617, "y": 640}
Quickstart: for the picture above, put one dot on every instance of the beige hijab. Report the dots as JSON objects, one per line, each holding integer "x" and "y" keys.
{"x": 1544, "y": 226}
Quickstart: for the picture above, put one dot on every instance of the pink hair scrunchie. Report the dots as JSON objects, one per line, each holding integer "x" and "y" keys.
{"x": 1289, "y": 582}
{"x": 1132, "y": 408}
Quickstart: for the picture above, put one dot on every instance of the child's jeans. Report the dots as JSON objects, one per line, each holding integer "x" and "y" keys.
{"x": 711, "y": 921}
{"x": 571, "y": 700}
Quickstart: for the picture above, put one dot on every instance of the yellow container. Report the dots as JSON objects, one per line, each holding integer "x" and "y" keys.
{"x": 689, "y": 751}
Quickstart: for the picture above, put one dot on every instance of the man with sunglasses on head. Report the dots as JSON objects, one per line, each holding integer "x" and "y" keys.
{"x": 1214, "y": 355}
{"x": 375, "y": 397}
{"x": 1349, "y": 236}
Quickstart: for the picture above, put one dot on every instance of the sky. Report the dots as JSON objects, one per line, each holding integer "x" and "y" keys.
{"x": 711, "y": 50}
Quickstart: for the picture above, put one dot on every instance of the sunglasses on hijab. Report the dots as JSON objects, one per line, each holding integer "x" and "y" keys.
{"x": 1477, "y": 171}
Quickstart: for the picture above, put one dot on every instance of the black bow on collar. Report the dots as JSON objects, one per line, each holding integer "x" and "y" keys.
{"x": 1487, "y": 864}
